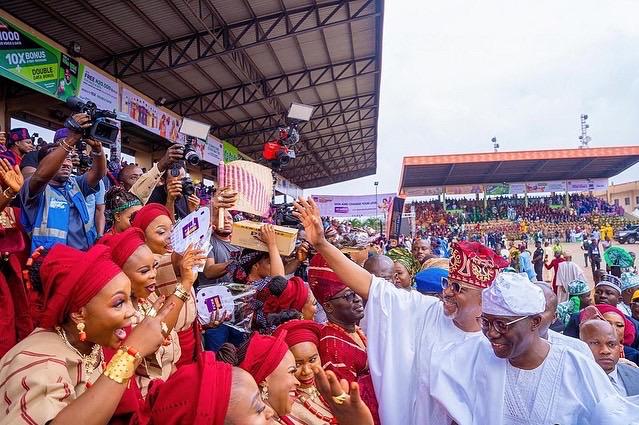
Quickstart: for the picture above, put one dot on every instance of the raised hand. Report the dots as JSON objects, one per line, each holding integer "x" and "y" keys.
{"x": 224, "y": 198}
{"x": 267, "y": 235}
{"x": 173, "y": 188}
{"x": 11, "y": 176}
{"x": 308, "y": 214}
{"x": 345, "y": 403}
{"x": 173, "y": 154}
{"x": 193, "y": 202}
{"x": 148, "y": 335}
{"x": 192, "y": 258}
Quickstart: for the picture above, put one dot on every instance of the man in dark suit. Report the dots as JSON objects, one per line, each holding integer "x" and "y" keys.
{"x": 606, "y": 348}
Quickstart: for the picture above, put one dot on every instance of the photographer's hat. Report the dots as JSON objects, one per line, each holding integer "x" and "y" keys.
{"x": 17, "y": 134}
{"x": 60, "y": 134}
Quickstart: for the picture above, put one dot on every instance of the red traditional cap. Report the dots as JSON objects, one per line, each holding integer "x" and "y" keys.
{"x": 298, "y": 331}
{"x": 264, "y": 354}
{"x": 207, "y": 383}
{"x": 123, "y": 244}
{"x": 629, "y": 328}
{"x": 474, "y": 264}
{"x": 294, "y": 297}
{"x": 70, "y": 278}
{"x": 147, "y": 214}
{"x": 322, "y": 279}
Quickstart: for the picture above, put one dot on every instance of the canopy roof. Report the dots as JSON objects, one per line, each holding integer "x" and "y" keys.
{"x": 239, "y": 64}
{"x": 511, "y": 167}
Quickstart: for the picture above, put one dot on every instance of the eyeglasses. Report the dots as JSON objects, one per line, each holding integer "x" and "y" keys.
{"x": 499, "y": 325}
{"x": 456, "y": 287}
{"x": 350, "y": 296}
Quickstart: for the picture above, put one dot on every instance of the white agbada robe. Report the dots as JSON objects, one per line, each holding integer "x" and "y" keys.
{"x": 570, "y": 342}
{"x": 566, "y": 273}
{"x": 476, "y": 387}
{"x": 406, "y": 331}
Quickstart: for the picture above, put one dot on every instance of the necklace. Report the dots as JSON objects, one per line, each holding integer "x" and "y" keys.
{"x": 90, "y": 361}
{"x": 305, "y": 398}
{"x": 358, "y": 331}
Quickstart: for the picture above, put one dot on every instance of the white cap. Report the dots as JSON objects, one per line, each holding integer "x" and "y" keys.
{"x": 512, "y": 294}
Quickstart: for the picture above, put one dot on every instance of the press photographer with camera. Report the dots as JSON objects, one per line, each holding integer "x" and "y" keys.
{"x": 177, "y": 193}
{"x": 53, "y": 202}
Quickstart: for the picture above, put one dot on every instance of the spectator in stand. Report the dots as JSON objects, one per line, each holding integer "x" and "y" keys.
{"x": 121, "y": 205}
{"x": 54, "y": 207}
{"x": 19, "y": 144}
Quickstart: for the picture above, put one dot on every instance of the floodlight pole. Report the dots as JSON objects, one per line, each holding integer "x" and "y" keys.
{"x": 377, "y": 208}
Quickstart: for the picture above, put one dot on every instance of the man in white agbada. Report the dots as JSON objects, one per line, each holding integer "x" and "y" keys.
{"x": 567, "y": 272}
{"x": 549, "y": 316}
{"x": 513, "y": 376}
{"x": 408, "y": 331}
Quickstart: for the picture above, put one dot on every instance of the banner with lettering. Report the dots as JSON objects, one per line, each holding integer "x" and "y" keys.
{"x": 551, "y": 186}
{"x": 464, "y": 189}
{"x": 33, "y": 63}
{"x": 587, "y": 185}
{"x": 210, "y": 150}
{"x": 353, "y": 206}
{"x": 394, "y": 219}
{"x": 283, "y": 185}
{"x": 231, "y": 153}
{"x": 422, "y": 191}
{"x": 98, "y": 88}
{"x": 497, "y": 189}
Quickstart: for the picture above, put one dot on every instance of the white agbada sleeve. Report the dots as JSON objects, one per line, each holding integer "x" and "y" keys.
{"x": 393, "y": 320}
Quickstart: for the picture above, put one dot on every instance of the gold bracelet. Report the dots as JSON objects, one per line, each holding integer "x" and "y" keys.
{"x": 181, "y": 292}
{"x": 66, "y": 146}
{"x": 6, "y": 194}
{"x": 121, "y": 367}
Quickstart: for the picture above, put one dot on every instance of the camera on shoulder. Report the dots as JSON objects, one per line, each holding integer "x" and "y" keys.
{"x": 104, "y": 128}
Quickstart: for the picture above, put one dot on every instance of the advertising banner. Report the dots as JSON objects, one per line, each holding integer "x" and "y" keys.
{"x": 497, "y": 189}
{"x": 353, "y": 206}
{"x": 464, "y": 189}
{"x": 394, "y": 221}
{"x": 150, "y": 117}
{"x": 516, "y": 188}
{"x": 34, "y": 63}
{"x": 587, "y": 185}
{"x": 230, "y": 152}
{"x": 423, "y": 191}
{"x": 210, "y": 150}
{"x": 552, "y": 186}
{"x": 98, "y": 88}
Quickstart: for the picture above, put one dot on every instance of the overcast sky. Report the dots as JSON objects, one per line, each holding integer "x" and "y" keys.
{"x": 455, "y": 73}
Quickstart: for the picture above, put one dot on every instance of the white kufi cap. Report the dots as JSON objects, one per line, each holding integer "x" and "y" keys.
{"x": 512, "y": 294}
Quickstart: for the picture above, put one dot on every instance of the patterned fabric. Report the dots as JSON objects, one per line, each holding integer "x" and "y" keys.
{"x": 629, "y": 280}
{"x": 474, "y": 264}
{"x": 252, "y": 182}
{"x": 568, "y": 308}
{"x": 405, "y": 258}
{"x": 578, "y": 287}
{"x": 611, "y": 281}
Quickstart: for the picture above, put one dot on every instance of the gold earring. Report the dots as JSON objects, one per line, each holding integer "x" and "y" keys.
{"x": 264, "y": 392}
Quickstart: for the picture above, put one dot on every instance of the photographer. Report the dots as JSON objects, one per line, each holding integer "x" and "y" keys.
{"x": 54, "y": 208}
{"x": 171, "y": 195}
{"x": 142, "y": 184}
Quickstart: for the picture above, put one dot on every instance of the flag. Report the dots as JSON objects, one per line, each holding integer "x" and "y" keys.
{"x": 253, "y": 183}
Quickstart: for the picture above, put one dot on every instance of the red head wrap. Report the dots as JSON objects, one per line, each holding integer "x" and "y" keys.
{"x": 629, "y": 328}
{"x": 207, "y": 383}
{"x": 322, "y": 279}
{"x": 294, "y": 297}
{"x": 298, "y": 331}
{"x": 147, "y": 214}
{"x": 264, "y": 354}
{"x": 70, "y": 278}
{"x": 474, "y": 264}
{"x": 123, "y": 244}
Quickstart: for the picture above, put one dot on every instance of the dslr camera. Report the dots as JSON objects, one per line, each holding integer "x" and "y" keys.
{"x": 104, "y": 128}
{"x": 189, "y": 156}
{"x": 85, "y": 160}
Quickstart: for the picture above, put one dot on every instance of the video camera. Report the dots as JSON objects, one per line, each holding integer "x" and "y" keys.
{"x": 104, "y": 129}
{"x": 279, "y": 152}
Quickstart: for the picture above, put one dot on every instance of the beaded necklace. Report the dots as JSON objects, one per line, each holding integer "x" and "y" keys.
{"x": 89, "y": 361}
{"x": 305, "y": 398}
{"x": 358, "y": 330}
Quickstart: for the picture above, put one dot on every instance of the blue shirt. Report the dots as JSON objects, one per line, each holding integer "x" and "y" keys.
{"x": 76, "y": 237}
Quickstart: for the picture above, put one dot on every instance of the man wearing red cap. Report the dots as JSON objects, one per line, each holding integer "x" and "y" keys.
{"x": 18, "y": 145}
{"x": 408, "y": 331}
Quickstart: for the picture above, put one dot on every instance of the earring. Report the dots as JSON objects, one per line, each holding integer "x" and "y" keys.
{"x": 83, "y": 335}
{"x": 264, "y": 392}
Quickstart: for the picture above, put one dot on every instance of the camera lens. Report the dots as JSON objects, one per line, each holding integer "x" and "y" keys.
{"x": 191, "y": 157}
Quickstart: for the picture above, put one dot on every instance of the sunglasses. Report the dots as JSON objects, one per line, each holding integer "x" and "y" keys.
{"x": 350, "y": 296}
{"x": 456, "y": 287}
{"x": 499, "y": 325}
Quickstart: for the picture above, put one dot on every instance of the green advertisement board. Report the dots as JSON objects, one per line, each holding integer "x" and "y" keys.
{"x": 231, "y": 153}
{"x": 497, "y": 189}
{"x": 34, "y": 63}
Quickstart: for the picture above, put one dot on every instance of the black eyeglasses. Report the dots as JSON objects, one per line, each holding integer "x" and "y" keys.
{"x": 350, "y": 296}
{"x": 499, "y": 325}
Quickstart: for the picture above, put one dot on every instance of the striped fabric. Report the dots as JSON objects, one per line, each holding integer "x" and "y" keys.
{"x": 254, "y": 185}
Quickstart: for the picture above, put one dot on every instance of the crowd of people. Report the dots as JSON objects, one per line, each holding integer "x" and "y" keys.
{"x": 101, "y": 323}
